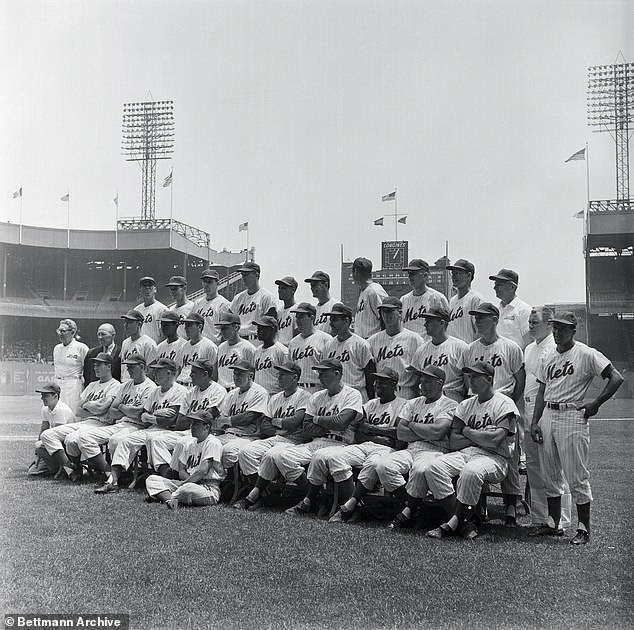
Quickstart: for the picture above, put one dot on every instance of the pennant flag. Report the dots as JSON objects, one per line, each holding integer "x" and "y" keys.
{"x": 579, "y": 155}
{"x": 168, "y": 180}
{"x": 578, "y": 215}
{"x": 403, "y": 220}
{"x": 116, "y": 200}
{"x": 66, "y": 197}
{"x": 243, "y": 227}
{"x": 17, "y": 193}
{"x": 379, "y": 221}
{"x": 390, "y": 197}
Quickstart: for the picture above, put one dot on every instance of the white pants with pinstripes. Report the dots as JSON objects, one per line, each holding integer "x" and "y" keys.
{"x": 566, "y": 452}
{"x": 291, "y": 461}
{"x": 71, "y": 442}
{"x": 160, "y": 446}
{"x": 231, "y": 445}
{"x": 131, "y": 444}
{"x": 90, "y": 440}
{"x": 474, "y": 465}
{"x": 182, "y": 491}
{"x": 338, "y": 461}
{"x": 53, "y": 439}
{"x": 250, "y": 456}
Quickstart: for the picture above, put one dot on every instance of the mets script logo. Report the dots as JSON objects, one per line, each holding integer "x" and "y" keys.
{"x": 324, "y": 411}
{"x": 132, "y": 399}
{"x": 439, "y": 361}
{"x": 374, "y": 419}
{"x": 285, "y": 323}
{"x": 553, "y": 372}
{"x": 96, "y": 395}
{"x": 163, "y": 404}
{"x": 457, "y": 314}
{"x": 188, "y": 358}
{"x": 193, "y": 461}
{"x": 284, "y": 412}
{"x": 148, "y": 319}
{"x": 361, "y": 306}
{"x": 495, "y": 360}
{"x": 386, "y": 353}
{"x": 428, "y": 418}
{"x": 298, "y": 353}
{"x": 263, "y": 364}
{"x": 343, "y": 357}
{"x": 245, "y": 310}
{"x": 411, "y": 314}
{"x": 322, "y": 319}
{"x": 206, "y": 312}
{"x": 227, "y": 360}
{"x": 171, "y": 354}
{"x": 480, "y": 423}
{"x": 236, "y": 408}
{"x": 198, "y": 405}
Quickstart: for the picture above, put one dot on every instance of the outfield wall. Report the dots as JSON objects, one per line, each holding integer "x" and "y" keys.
{"x": 18, "y": 378}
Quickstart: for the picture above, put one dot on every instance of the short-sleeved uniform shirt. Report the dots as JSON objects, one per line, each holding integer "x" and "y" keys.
{"x": 144, "y": 345}
{"x": 415, "y": 305}
{"x": 322, "y": 404}
{"x": 255, "y": 399}
{"x": 397, "y": 352}
{"x": 98, "y": 392}
{"x": 308, "y": 352}
{"x": 210, "y": 311}
{"x": 281, "y": 407}
{"x": 183, "y": 311}
{"x": 461, "y": 324}
{"x": 383, "y": 415}
{"x": 204, "y": 349}
{"x": 152, "y": 319}
{"x": 355, "y": 354}
{"x": 173, "y": 397}
{"x": 367, "y": 320}
{"x": 533, "y": 356}
{"x": 229, "y": 355}
{"x": 173, "y": 351}
{"x": 62, "y": 414}
{"x": 513, "y": 322}
{"x": 69, "y": 360}
{"x": 419, "y": 411}
{"x": 265, "y": 360}
{"x": 196, "y": 453}
{"x": 204, "y": 399}
{"x": 136, "y": 395}
{"x": 251, "y": 307}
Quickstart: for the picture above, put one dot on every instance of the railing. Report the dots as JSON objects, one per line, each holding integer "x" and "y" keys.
{"x": 611, "y": 205}
{"x": 223, "y": 283}
{"x": 190, "y": 233}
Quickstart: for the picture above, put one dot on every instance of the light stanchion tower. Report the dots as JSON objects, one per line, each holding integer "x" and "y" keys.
{"x": 148, "y": 136}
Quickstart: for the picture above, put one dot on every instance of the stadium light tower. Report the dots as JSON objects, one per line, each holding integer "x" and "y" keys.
{"x": 148, "y": 136}
{"x": 611, "y": 109}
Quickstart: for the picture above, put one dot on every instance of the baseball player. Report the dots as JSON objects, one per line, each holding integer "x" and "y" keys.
{"x": 483, "y": 440}
{"x": 461, "y": 324}
{"x": 320, "y": 288}
{"x": 514, "y": 313}
{"x": 197, "y": 348}
{"x": 286, "y": 288}
{"x": 560, "y": 419}
{"x": 54, "y": 413}
{"x": 106, "y": 337}
{"x": 268, "y": 355}
{"x": 395, "y": 347}
{"x": 353, "y": 351}
{"x": 150, "y": 308}
{"x": 135, "y": 342}
{"x": 198, "y": 468}
{"x": 68, "y": 361}
{"x": 308, "y": 348}
{"x": 233, "y": 349}
{"x": 177, "y": 286}
{"x": 367, "y": 320}
{"x": 421, "y": 298}
{"x": 249, "y": 305}
{"x": 442, "y": 351}
{"x": 172, "y": 345}
{"x": 210, "y": 305}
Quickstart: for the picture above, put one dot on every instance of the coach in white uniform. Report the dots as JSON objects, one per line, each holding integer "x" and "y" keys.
{"x": 68, "y": 361}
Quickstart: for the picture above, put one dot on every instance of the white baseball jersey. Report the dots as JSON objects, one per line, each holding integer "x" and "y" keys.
{"x": 446, "y": 356}
{"x": 210, "y": 310}
{"x": 144, "y": 345}
{"x": 367, "y": 321}
{"x": 397, "y": 352}
{"x": 69, "y": 360}
{"x": 308, "y": 352}
{"x": 461, "y": 324}
{"x": 533, "y": 356}
{"x": 204, "y": 399}
{"x": 61, "y": 414}
{"x": 383, "y": 415}
{"x": 488, "y": 416}
{"x": 567, "y": 375}
{"x": 158, "y": 399}
{"x": 151, "y": 319}
{"x": 204, "y": 349}
{"x": 513, "y": 322}
{"x": 415, "y": 305}
{"x": 254, "y": 399}
{"x": 173, "y": 351}
{"x": 195, "y": 453}
{"x": 250, "y": 307}
{"x": 286, "y": 324}
{"x": 419, "y": 411}
{"x": 322, "y": 321}
{"x": 264, "y": 360}
{"x": 503, "y": 354}
{"x": 183, "y": 311}
{"x": 229, "y": 355}
{"x": 135, "y": 395}
{"x": 322, "y": 404}
{"x": 97, "y": 392}
{"x": 354, "y": 353}
{"x": 281, "y": 406}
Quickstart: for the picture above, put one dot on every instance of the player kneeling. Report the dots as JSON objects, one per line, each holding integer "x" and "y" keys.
{"x": 198, "y": 465}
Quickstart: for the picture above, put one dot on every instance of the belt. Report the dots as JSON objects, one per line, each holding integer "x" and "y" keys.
{"x": 336, "y": 438}
{"x": 311, "y": 385}
{"x": 528, "y": 399}
{"x": 67, "y": 378}
{"x": 561, "y": 406}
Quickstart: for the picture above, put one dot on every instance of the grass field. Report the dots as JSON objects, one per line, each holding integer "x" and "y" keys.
{"x": 65, "y": 550}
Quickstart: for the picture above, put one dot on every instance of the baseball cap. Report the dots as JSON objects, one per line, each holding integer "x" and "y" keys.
{"x": 305, "y": 307}
{"x": 49, "y": 388}
{"x": 329, "y": 364}
{"x": 388, "y": 373}
{"x": 194, "y": 318}
{"x": 391, "y": 302}
{"x": 340, "y": 309}
{"x": 289, "y": 366}
{"x": 203, "y": 364}
{"x": 171, "y": 316}
{"x": 135, "y": 359}
{"x": 164, "y": 363}
{"x": 147, "y": 280}
{"x": 200, "y": 416}
{"x": 433, "y": 372}
{"x": 176, "y": 281}
{"x": 564, "y": 317}
{"x": 228, "y": 318}
{"x": 212, "y": 274}
{"x": 249, "y": 266}
{"x": 134, "y": 316}
{"x": 103, "y": 357}
{"x": 362, "y": 263}
{"x": 243, "y": 366}
{"x": 417, "y": 264}
{"x": 287, "y": 281}
{"x": 437, "y": 313}
{"x": 480, "y": 367}
{"x": 463, "y": 265}
{"x": 486, "y": 308}
{"x": 319, "y": 276}
{"x": 506, "y": 275}
{"x": 267, "y": 321}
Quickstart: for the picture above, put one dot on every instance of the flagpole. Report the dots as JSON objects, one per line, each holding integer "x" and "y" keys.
{"x": 586, "y": 219}
{"x": 68, "y": 219}
{"x": 395, "y": 216}
{"x": 171, "y": 202}
{"x": 20, "y": 238}
{"x": 247, "y": 258}
{"x": 116, "y": 222}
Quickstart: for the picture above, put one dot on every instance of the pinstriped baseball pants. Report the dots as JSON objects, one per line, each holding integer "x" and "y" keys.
{"x": 338, "y": 461}
{"x": 251, "y": 455}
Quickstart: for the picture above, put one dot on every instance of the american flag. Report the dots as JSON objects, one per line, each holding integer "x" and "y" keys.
{"x": 579, "y": 155}
{"x": 390, "y": 197}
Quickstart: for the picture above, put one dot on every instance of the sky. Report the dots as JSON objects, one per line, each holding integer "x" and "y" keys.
{"x": 299, "y": 116}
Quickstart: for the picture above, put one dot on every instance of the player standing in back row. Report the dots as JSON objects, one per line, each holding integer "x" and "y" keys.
{"x": 150, "y": 308}
{"x": 320, "y": 288}
{"x": 461, "y": 324}
{"x": 211, "y": 305}
{"x": 367, "y": 320}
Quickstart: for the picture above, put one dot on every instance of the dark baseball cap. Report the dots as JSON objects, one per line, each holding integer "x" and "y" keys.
{"x": 506, "y": 275}
{"x": 134, "y": 316}
{"x": 437, "y": 313}
{"x": 329, "y": 364}
{"x": 49, "y": 388}
{"x": 289, "y": 366}
{"x": 203, "y": 364}
{"x": 387, "y": 373}
{"x": 433, "y": 372}
{"x": 227, "y": 318}
{"x": 147, "y": 280}
{"x": 417, "y": 264}
{"x": 102, "y": 357}
{"x": 171, "y": 317}
{"x": 362, "y": 263}
{"x": 340, "y": 309}
{"x": 200, "y": 416}
{"x": 135, "y": 359}
{"x": 243, "y": 366}
{"x": 391, "y": 302}
{"x": 480, "y": 367}
{"x": 267, "y": 321}
{"x": 194, "y": 318}
{"x": 164, "y": 363}
{"x": 463, "y": 265}
{"x": 305, "y": 307}
{"x": 319, "y": 276}
{"x": 211, "y": 274}
{"x": 176, "y": 281}
{"x": 564, "y": 317}
{"x": 287, "y": 281}
{"x": 486, "y": 308}
{"x": 249, "y": 266}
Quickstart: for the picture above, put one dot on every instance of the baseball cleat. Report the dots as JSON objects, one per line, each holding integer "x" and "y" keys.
{"x": 510, "y": 521}
{"x": 106, "y": 488}
{"x": 444, "y": 531}
{"x": 400, "y": 521}
{"x": 468, "y": 530}
{"x": 546, "y": 530}
{"x": 337, "y": 517}
{"x": 301, "y": 509}
{"x": 172, "y": 504}
{"x": 581, "y": 538}
{"x": 77, "y": 475}
{"x": 244, "y": 504}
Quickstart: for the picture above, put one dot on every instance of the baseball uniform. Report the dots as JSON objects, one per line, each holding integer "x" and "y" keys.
{"x": 265, "y": 360}
{"x": 204, "y": 349}
{"x": 308, "y": 352}
{"x": 355, "y": 354}
{"x": 250, "y": 308}
{"x": 461, "y": 324}
{"x": 367, "y": 320}
{"x": 173, "y": 350}
{"x": 152, "y": 319}
{"x": 415, "y": 305}
{"x": 144, "y": 346}
{"x": 286, "y": 324}
{"x": 62, "y": 414}
{"x": 210, "y": 311}
{"x": 183, "y": 311}
{"x": 322, "y": 320}
{"x": 68, "y": 362}
{"x": 230, "y": 354}
{"x": 513, "y": 322}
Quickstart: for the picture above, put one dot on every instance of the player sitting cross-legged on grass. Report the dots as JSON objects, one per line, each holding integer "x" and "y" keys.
{"x": 198, "y": 466}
